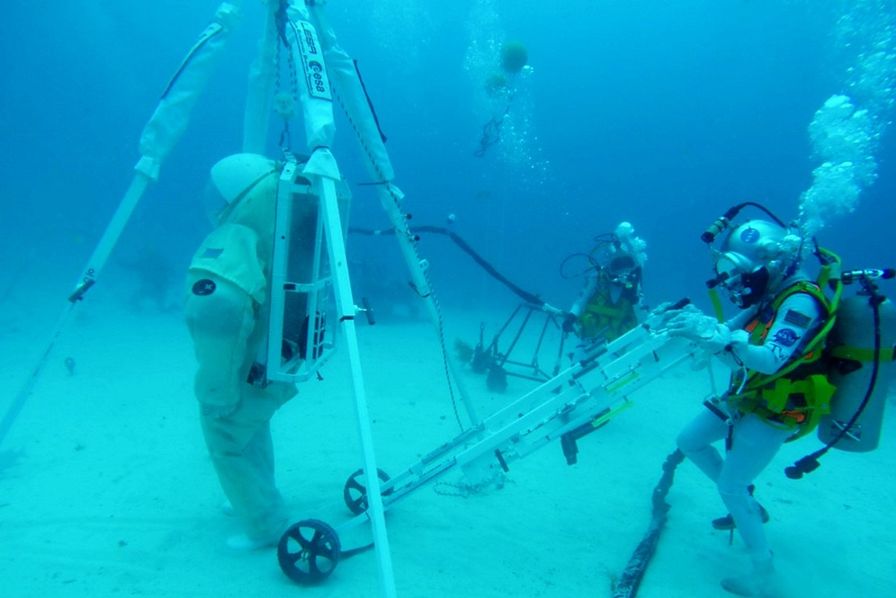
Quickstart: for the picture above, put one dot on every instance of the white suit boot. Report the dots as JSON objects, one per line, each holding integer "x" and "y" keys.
{"x": 762, "y": 581}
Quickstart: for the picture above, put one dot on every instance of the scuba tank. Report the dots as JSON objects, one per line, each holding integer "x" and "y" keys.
{"x": 861, "y": 387}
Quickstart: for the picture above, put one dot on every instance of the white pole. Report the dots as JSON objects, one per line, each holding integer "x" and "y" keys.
{"x": 345, "y": 308}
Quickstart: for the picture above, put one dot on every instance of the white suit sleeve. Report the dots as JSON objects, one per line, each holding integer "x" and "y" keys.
{"x": 799, "y": 316}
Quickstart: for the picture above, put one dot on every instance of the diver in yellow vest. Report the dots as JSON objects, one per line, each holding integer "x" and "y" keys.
{"x": 773, "y": 395}
{"x": 226, "y": 313}
{"x": 611, "y": 302}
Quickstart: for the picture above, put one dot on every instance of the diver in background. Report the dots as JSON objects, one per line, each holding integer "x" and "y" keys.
{"x": 774, "y": 393}
{"x": 226, "y": 313}
{"x": 611, "y": 302}
{"x": 501, "y": 89}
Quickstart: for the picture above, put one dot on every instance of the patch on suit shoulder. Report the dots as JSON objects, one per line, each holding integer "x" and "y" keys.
{"x": 204, "y": 287}
{"x": 796, "y": 318}
{"x": 786, "y": 337}
{"x": 212, "y": 253}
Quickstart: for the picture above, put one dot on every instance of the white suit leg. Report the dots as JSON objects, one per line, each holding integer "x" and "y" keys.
{"x": 754, "y": 445}
{"x": 696, "y": 442}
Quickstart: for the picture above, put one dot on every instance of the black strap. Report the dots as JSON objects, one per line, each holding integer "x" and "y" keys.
{"x": 715, "y": 410}
{"x": 376, "y": 119}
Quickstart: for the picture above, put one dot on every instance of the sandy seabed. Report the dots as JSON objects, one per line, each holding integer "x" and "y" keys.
{"x": 106, "y": 488}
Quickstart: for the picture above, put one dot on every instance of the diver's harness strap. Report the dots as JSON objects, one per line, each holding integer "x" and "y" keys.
{"x": 713, "y": 405}
{"x": 603, "y": 318}
{"x": 798, "y": 395}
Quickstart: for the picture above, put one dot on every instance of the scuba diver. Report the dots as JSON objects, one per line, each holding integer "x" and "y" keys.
{"x": 610, "y": 304}
{"x": 775, "y": 394}
{"x": 612, "y": 300}
{"x": 501, "y": 89}
{"x": 226, "y": 313}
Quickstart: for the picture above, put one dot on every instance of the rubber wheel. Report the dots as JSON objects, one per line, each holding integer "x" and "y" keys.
{"x": 355, "y": 490}
{"x": 308, "y": 551}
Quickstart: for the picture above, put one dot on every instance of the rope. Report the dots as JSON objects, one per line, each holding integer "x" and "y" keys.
{"x": 285, "y": 101}
{"x": 466, "y": 489}
{"x": 440, "y": 323}
{"x": 631, "y": 577}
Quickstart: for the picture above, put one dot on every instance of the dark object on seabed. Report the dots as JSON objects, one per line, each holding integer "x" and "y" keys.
{"x": 463, "y": 350}
{"x": 482, "y": 360}
{"x": 496, "y": 380}
{"x": 627, "y": 585}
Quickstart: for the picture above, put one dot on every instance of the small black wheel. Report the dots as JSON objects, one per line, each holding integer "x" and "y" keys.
{"x": 355, "y": 490}
{"x": 309, "y": 551}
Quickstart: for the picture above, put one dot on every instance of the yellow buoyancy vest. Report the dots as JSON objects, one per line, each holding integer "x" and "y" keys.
{"x": 798, "y": 394}
{"x": 603, "y": 317}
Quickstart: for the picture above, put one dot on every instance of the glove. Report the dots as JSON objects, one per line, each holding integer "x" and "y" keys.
{"x": 662, "y": 315}
{"x": 699, "y": 328}
{"x": 657, "y": 317}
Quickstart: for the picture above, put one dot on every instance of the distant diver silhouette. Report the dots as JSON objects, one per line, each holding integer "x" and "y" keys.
{"x": 514, "y": 58}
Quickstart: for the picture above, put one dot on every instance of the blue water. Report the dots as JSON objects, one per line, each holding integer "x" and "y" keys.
{"x": 642, "y": 111}
{"x": 660, "y": 113}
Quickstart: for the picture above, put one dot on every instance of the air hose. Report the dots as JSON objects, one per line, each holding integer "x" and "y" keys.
{"x": 526, "y": 296}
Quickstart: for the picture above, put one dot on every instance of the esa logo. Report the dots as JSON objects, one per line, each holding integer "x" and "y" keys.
{"x": 786, "y": 337}
{"x": 317, "y": 76}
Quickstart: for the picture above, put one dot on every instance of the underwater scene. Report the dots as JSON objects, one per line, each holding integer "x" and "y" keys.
{"x": 427, "y": 298}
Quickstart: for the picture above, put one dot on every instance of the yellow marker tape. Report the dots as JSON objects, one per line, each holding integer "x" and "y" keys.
{"x": 616, "y": 385}
{"x": 599, "y": 421}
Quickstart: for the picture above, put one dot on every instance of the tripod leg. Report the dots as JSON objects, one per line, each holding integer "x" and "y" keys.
{"x": 345, "y": 309}
{"x": 353, "y": 98}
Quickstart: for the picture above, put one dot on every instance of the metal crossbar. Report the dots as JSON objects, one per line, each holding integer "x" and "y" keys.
{"x": 580, "y": 398}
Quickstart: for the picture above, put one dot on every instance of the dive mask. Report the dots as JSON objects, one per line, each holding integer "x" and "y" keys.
{"x": 623, "y": 271}
{"x": 742, "y": 280}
